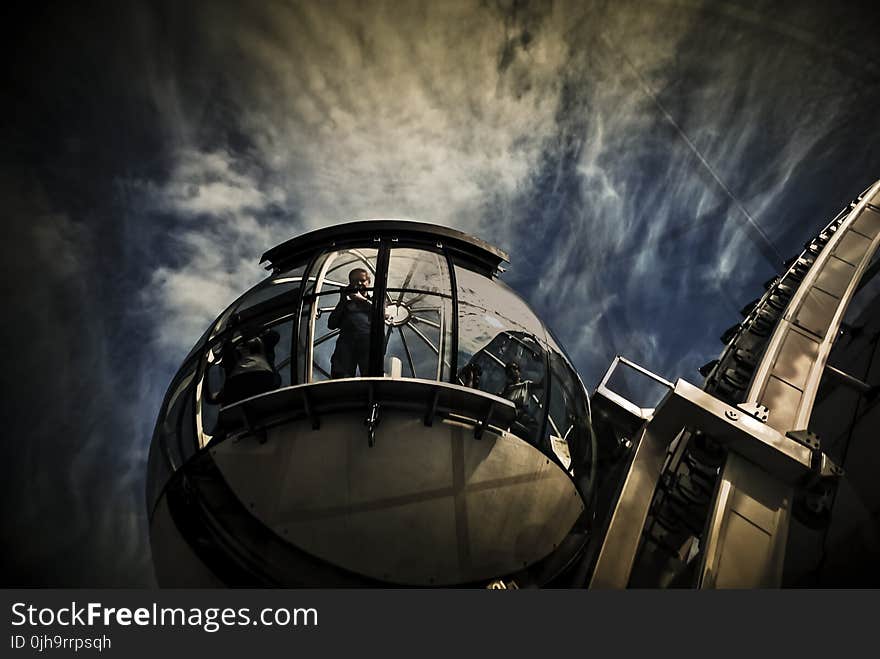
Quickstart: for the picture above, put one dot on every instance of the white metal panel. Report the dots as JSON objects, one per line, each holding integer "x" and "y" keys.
{"x": 424, "y": 506}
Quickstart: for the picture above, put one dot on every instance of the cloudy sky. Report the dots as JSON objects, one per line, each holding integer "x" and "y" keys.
{"x": 646, "y": 164}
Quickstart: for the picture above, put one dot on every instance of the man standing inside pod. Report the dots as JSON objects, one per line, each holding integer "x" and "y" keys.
{"x": 352, "y": 318}
{"x": 520, "y": 393}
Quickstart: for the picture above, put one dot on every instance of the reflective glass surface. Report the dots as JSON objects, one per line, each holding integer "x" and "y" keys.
{"x": 502, "y": 348}
{"x": 418, "y": 315}
{"x": 418, "y": 270}
{"x": 271, "y": 289}
{"x": 174, "y": 441}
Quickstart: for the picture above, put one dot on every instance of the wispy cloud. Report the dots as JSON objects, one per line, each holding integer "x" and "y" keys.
{"x": 222, "y": 225}
{"x": 640, "y": 149}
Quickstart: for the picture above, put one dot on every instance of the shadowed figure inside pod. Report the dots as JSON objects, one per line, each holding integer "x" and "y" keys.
{"x": 248, "y": 367}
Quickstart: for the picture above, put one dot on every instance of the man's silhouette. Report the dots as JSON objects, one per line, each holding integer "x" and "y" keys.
{"x": 352, "y": 318}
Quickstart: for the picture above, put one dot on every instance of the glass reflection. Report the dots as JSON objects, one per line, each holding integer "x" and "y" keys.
{"x": 252, "y": 355}
{"x": 512, "y": 366}
{"x": 418, "y": 312}
{"x": 568, "y": 432}
{"x": 418, "y": 270}
{"x": 250, "y": 361}
{"x": 271, "y": 289}
{"x": 502, "y": 348}
{"x": 523, "y": 393}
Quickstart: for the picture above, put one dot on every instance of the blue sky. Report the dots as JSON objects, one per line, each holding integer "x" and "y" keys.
{"x": 644, "y": 163}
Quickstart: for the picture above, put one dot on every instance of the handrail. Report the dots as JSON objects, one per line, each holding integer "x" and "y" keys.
{"x": 313, "y": 400}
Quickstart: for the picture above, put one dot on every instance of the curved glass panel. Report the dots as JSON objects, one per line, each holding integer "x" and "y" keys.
{"x": 251, "y": 359}
{"x": 249, "y": 349}
{"x": 170, "y": 421}
{"x": 158, "y": 474}
{"x": 418, "y": 270}
{"x": 219, "y": 325}
{"x": 174, "y": 437}
{"x": 418, "y": 315}
{"x": 286, "y": 284}
{"x": 334, "y": 336}
{"x": 331, "y": 270}
{"x": 486, "y": 307}
{"x": 502, "y": 348}
{"x": 569, "y": 431}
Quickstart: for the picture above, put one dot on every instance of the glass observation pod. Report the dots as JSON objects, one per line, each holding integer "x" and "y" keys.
{"x": 381, "y": 410}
